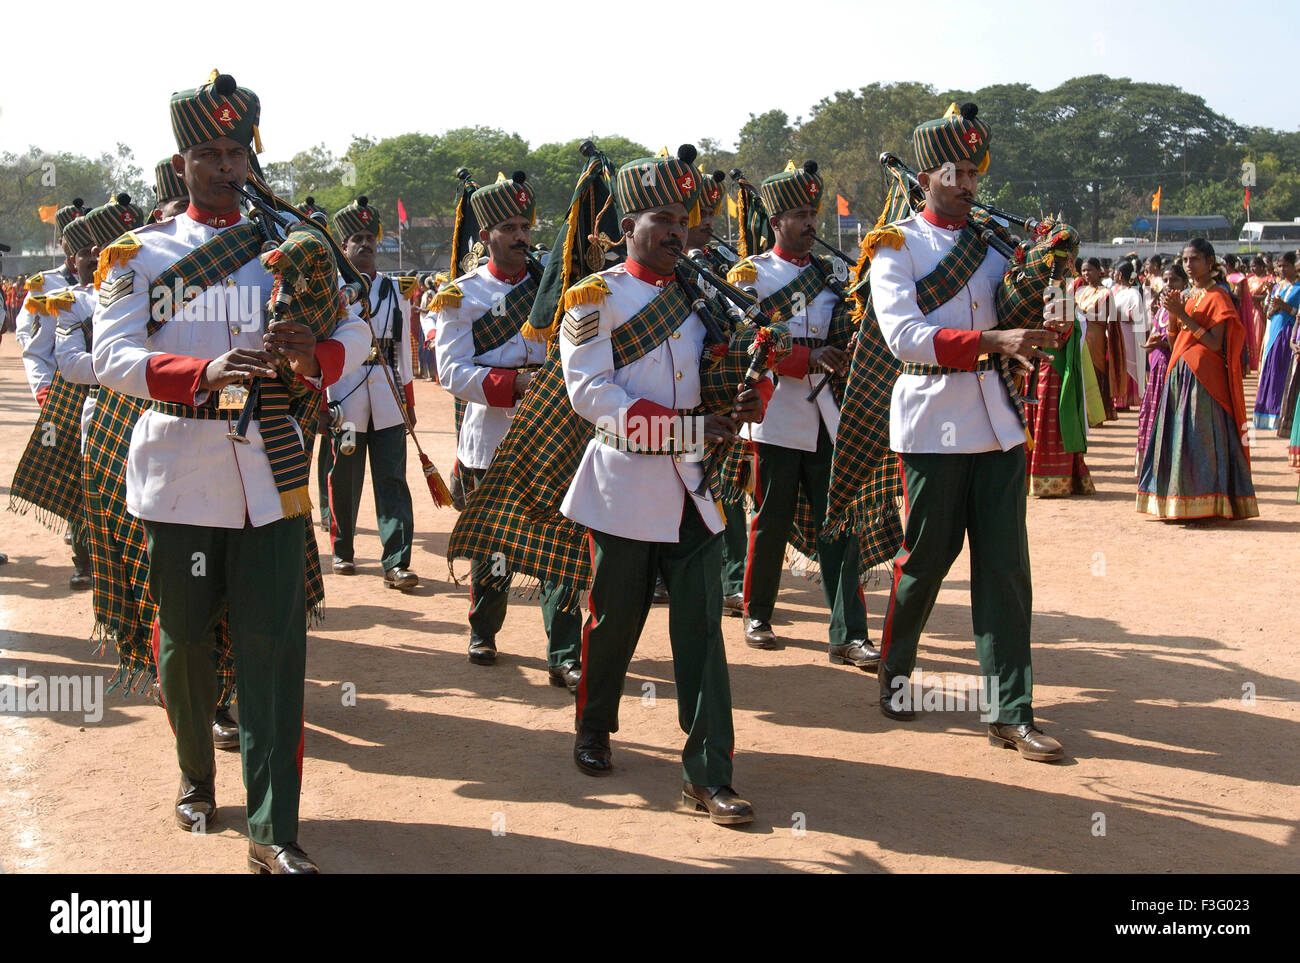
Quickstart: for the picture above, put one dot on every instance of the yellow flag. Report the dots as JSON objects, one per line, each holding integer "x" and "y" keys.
{"x": 1155, "y": 199}
{"x": 47, "y": 212}
{"x": 733, "y": 210}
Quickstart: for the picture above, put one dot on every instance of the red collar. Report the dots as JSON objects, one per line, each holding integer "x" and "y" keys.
{"x": 938, "y": 221}
{"x": 643, "y": 273}
{"x": 213, "y": 220}
{"x": 497, "y": 273}
{"x": 799, "y": 260}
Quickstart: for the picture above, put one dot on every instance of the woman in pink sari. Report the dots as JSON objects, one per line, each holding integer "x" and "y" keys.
{"x": 1241, "y": 294}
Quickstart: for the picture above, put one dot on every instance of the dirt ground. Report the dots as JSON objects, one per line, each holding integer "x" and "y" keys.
{"x": 1149, "y": 640}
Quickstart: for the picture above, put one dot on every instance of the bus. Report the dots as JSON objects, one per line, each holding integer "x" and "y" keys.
{"x": 1270, "y": 231}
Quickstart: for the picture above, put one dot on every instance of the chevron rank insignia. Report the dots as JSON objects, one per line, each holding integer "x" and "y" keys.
{"x": 581, "y": 330}
{"x": 110, "y": 292}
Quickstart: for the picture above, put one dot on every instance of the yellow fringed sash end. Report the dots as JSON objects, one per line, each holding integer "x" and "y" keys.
{"x": 540, "y": 335}
{"x": 888, "y": 236}
{"x": 36, "y": 282}
{"x": 448, "y": 296}
{"x": 115, "y": 255}
{"x": 296, "y": 502}
{"x": 591, "y": 290}
{"x": 743, "y": 272}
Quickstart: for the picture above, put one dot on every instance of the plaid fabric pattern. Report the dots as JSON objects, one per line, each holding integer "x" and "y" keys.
{"x": 515, "y": 511}
{"x": 501, "y": 201}
{"x": 110, "y": 221}
{"x": 47, "y": 478}
{"x": 711, "y": 193}
{"x": 167, "y": 183}
{"x": 77, "y": 234}
{"x": 497, "y": 325}
{"x": 949, "y": 139}
{"x": 655, "y": 182}
{"x": 791, "y": 189}
{"x": 200, "y": 269}
{"x": 67, "y": 214}
{"x": 357, "y": 218}
{"x": 203, "y": 114}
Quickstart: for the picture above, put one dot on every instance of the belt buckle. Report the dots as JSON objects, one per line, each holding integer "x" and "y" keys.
{"x": 232, "y": 398}
{"x": 374, "y": 354}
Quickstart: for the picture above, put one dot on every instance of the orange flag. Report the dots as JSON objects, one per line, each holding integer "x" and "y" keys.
{"x": 1155, "y": 199}
{"x": 47, "y": 212}
{"x": 841, "y": 205}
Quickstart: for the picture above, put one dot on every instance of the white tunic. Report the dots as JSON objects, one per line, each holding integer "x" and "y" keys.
{"x": 619, "y": 492}
{"x": 76, "y": 364}
{"x": 791, "y": 420}
{"x": 35, "y": 332}
{"x": 366, "y": 395}
{"x": 465, "y": 374}
{"x": 946, "y": 414}
{"x": 185, "y": 470}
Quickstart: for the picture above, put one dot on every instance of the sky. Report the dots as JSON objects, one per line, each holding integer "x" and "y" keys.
{"x": 640, "y": 70}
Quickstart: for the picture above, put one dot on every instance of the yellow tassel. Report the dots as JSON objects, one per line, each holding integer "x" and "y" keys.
{"x": 742, "y": 213}
{"x": 592, "y": 290}
{"x": 35, "y": 304}
{"x": 721, "y": 514}
{"x": 296, "y": 502}
{"x": 448, "y": 296}
{"x": 566, "y": 266}
{"x": 540, "y": 335}
{"x": 743, "y": 272}
{"x": 116, "y": 254}
{"x": 888, "y": 236}
{"x": 36, "y": 282}
{"x": 59, "y": 302}
{"x": 257, "y": 140}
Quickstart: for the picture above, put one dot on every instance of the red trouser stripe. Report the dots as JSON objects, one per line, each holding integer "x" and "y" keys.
{"x": 586, "y": 631}
{"x": 753, "y": 529}
{"x": 887, "y": 634}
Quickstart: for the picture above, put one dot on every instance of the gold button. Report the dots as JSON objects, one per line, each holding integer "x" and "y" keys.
{"x": 677, "y": 334}
{"x": 981, "y": 377}
{"x": 679, "y": 376}
{"x": 677, "y": 457}
{"x": 974, "y": 305}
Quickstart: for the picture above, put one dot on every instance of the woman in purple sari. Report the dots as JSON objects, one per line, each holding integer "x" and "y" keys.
{"x": 1282, "y": 308}
{"x": 1157, "y": 348}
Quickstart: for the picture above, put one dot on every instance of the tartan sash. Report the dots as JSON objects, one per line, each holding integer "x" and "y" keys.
{"x": 501, "y": 322}
{"x": 514, "y": 512}
{"x": 48, "y": 476}
{"x": 798, "y": 293}
{"x": 865, "y": 484}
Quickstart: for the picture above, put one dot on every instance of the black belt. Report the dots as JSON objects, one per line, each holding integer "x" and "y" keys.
{"x": 915, "y": 368}
{"x": 208, "y": 411}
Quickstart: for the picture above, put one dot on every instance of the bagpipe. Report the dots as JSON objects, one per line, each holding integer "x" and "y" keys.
{"x": 306, "y": 266}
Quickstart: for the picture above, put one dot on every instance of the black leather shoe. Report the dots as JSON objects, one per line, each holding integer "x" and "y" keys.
{"x": 80, "y": 581}
{"x": 344, "y": 566}
{"x": 902, "y": 714}
{"x": 482, "y": 651}
{"x": 196, "y": 805}
{"x": 721, "y": 803}
{"x": 567, "y": 675}
{"x": 759, "y": 634}
{"x": 225, "y": 730}
{"x": 277, "y": 858}
{"x": 661, "y": 592}
{"x": 733, "y": 605}
{"x": 1029, "y": 740}
{"x": 857, "y": 652}
{"x": 591, "y": 752}
{"x": 401, "y": 578}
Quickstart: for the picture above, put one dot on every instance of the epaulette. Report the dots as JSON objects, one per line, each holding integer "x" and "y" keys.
{"x": 408, "y": 287}
{"x": 35, "y": 304}
{"x": 59, "y": 301}
{"x": 448, "y": 296}
{"x": 116, "y": 254}
{"x": 36, "y": 282}
{"x": 590, "y": 290}
{"x": 889, "y": 235}
{"x": 743, "y": 272}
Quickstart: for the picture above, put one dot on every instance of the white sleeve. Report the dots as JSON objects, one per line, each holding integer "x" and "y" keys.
{"x": 587, "y": 354}
{"x": 454, "y": 348}
{"x": 121, "y": 356}
{"x": 35, "y": 334}
{"x": 893, "y": 295}
{"x": 75, "y": 363}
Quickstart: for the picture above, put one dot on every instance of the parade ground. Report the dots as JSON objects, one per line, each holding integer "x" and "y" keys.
{"x": 1165, "y": 661}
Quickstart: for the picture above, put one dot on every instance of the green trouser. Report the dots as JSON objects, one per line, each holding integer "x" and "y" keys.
{"x": 387, "y": 448}
{"x": 324, "y": 462}
{"x": 947, "y": 497}
{"x": 781, "y": 472}
{"x": 735, "y": 543}
{"x": 81, "y": 552}
{"x": 487, "y": 606}
{"x": 622, "y": 586}
{"x": 259, "y": 575}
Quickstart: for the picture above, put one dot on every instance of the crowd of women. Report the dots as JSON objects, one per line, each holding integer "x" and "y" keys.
{"x": 1174, "y": 339}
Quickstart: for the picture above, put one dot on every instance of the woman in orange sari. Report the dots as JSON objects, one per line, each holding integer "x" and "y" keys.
{"x": 1093, "y": 303}
{"x": 1197, "y": 465}
{"x": 1259, "y": 283}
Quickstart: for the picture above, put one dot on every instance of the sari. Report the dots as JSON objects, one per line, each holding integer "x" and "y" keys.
{"x": 1245, "y": 299}
{"x": 1055, "y": 463}
{"x": 1158, "y": 360}
{"x": 1095, "y": 305}
{"x": 1277, "y": 359}
{"x": 1197, "y": 465}
{"x": 1258, "y": 286}
{"x": 1134, "y": 319}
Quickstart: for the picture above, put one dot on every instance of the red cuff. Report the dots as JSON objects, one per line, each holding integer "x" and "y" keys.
{"x": 499, "y": 388}
{"x": 330, "y": 355}
{"x": 645, "y": 411}
{"x": 795, "y": 364}
{"x": 954, "y": 348}
{"x": 408, "y": 390}
{"x": 174, "y": 377}
{"x": 42, "y": 394}
{"x": 764, "y": 387}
